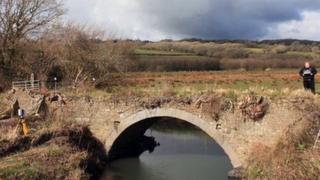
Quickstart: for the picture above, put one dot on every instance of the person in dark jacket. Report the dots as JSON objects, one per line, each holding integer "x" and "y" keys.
{"x": 308, "y": 73}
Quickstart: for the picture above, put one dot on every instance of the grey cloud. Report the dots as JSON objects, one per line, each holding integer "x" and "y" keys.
{"x": 210, "y": 19}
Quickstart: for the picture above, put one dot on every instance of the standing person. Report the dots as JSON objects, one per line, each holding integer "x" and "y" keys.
{"x": 308, "y": 73}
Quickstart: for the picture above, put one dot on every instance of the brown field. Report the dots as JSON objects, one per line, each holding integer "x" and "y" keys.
{"x": 201, "y": 81}
{"x": 211, "y": 77}
{"x": 271, "y": 83}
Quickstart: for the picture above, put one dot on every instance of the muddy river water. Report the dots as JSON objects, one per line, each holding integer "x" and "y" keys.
{"x": 185, "y": 153}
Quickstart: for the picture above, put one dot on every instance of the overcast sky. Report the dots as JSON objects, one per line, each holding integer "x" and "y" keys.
{"x": 207, "y": 19}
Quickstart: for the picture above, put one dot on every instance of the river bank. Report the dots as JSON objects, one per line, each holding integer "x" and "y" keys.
{"x": 66, "y": 153}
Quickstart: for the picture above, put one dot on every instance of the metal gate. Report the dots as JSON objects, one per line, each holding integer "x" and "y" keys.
{"x": 27, "y": 85}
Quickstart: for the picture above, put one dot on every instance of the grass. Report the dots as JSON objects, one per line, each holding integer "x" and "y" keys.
{"x": 275, "y": 83}
{"x": 22, "y": 170}
{"x": 172, "y": 58}
{"x": 165, "y": 63}
{"x": 2, "y": 95}
{"x": 149, "y": 52}
{"x": 182, "y": 84}
{"x": 293, "y": 156}
{"x": 256, "y": 172}
{"x": 51, "y": 161}
{"x": 19, "y": 166}
{"x": 255, "y": 50}
{"x": 301, "y": 53}
{"x": 55, "y": 151}
{"x": 202, "y": 81}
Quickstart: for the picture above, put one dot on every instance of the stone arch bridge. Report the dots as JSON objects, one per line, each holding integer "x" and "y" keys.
{"x": 228, "y": 125}
{"x": 233, "y": 125}
{"x": 209, "y": 128}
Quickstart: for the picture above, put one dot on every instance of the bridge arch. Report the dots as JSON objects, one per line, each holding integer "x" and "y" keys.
{"x": 205, "y": 126}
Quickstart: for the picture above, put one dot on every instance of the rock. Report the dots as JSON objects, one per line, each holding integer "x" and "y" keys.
{"x": 158, "y": 102}
{"x": 10, "y": 112}
{"x": 42, "y": 108}
{"x": 15, "y": 107}
{"x": 57, "y": 98}
{"x": 34, "y": 104}
{"x": 253, "y": 107}
{"x": 152, "y": 104}
{"x": 211, "y": 105}
{"x": 236, "y": 174}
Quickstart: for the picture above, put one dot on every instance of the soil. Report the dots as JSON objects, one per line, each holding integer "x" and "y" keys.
{"x": 69, "y": 153}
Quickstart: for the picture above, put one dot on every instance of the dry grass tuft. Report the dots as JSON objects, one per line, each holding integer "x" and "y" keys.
{"x": 293, "y": 157}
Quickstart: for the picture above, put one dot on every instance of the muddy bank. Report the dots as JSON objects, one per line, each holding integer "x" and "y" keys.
{"x": 69, "y": 153}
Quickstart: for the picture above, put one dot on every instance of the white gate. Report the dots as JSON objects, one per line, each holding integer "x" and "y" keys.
{"x": 27, "y": 85}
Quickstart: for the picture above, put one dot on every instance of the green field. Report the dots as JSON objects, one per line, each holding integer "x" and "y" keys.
{"x": 150, "y": 52}
{"x": 255, "y": 50}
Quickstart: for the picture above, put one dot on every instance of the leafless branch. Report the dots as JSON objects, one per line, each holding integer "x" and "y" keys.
{"x": 23, "y": 19}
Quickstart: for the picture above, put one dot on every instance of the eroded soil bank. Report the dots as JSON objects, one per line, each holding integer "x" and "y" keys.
{"x": 66, "y": 153}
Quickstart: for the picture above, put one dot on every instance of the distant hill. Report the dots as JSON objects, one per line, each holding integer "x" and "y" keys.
{"x": 268, "y": 42}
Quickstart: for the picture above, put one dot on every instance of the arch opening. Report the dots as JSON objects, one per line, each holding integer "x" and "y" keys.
{"x": 135, "y": 140}
{"x": 132, "y": 142}
{"x": 182, "y": 144}
{"x": 130, "y": 133}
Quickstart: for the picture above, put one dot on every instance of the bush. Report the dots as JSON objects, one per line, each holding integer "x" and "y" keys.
{"x": 279, "y": 49}
{"x": 179, "y": 63}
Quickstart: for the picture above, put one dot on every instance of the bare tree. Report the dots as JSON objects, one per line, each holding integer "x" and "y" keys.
{"x": 24, "y": 19}
{"x": 86, "y": 53}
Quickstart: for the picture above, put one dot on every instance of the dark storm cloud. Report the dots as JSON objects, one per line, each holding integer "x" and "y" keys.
{"x": 235, "y": 19}
{"x": 211, "y": 19}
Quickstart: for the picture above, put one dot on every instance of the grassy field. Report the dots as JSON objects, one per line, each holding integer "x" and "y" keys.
{"x": 304, "y": 54}
{"x": 222, "y": 79}
{"x": 272, "y": 83}
{"x": 161, "y": 57}
{"x": 172, "y": 58}
{"x": 172, "y": 61}
{"x": 149, "y": 52}
{"x": 258, "y": 51}
{"x": 255, "y": 50}
{"x": 229, "y": 79}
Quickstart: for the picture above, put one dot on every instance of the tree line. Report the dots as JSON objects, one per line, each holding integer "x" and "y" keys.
{"x": 35, "y": 39}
